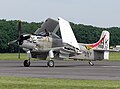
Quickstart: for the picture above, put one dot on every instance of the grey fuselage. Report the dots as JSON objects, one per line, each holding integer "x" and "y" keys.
{"x": 40, "y": 45}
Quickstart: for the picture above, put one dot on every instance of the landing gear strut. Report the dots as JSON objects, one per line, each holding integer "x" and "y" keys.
{"x": 91, "y": 63}
{"x": 50, "y": 63}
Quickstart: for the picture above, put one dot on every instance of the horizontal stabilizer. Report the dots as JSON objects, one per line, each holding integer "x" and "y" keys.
{"x": 103, "y": 50}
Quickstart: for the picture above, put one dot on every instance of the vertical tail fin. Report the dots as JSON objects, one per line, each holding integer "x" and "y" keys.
{"x": 105, "y": 42}
{"x": 104, "y": 45}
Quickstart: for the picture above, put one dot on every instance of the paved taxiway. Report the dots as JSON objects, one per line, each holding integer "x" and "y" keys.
{"x": 102, "y": 70}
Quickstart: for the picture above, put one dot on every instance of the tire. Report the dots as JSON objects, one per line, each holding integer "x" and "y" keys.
{"x": 50, "y": 63}
{"x": 26, "y": 63}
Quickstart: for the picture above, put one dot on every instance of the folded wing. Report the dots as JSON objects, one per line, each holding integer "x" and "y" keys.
{"x": 67, "y": 33}
{"x": 50, "y": 25}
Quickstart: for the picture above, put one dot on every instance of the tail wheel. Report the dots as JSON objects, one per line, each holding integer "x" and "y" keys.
{"x": 26, "y": 63}
{"x": 50, "y": 63}
{"x": 91, "y": 63}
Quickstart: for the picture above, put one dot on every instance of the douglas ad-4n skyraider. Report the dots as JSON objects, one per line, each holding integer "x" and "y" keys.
{"x": 46, "y": 44}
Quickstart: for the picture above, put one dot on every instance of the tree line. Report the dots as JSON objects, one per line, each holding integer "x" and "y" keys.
{"x": 83, "y": 33}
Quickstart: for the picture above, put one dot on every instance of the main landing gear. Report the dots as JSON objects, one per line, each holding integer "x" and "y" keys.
{"x": 50, "y": 63}
{"x": 26, "y": 63}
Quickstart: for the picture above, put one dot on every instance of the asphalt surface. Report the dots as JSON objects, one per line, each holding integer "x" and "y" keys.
{"x": 102, "y": 70}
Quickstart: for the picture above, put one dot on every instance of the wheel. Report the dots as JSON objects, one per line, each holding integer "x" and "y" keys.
{"x": 50, "y": 63}
{"x": 90, "y": 63}
{"x": 26, "y": 63}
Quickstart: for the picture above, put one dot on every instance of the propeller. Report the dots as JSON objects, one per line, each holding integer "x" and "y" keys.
{"x": 20, "y": 38}
{"x": 19, "y": 35}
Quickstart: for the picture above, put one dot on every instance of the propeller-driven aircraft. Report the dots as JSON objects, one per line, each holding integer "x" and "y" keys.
{"x": 46, "y": 44}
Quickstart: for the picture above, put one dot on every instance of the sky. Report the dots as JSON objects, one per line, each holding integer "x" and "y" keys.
{"x": 100, "y": 13}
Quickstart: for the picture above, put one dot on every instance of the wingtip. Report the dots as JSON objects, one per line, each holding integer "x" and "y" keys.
{"x": 59, "y": 18}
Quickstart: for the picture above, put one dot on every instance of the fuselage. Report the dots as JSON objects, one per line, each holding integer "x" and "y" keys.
{"x": 40, "y": 45}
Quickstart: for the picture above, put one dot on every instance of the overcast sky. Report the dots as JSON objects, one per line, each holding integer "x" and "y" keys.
{"x": 101, "y": 13}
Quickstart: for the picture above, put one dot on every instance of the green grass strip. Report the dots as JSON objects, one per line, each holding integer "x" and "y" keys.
{"x": 114, "y": 55}
{"x": 42, "y": 83}
{"x": 14, "y": 56}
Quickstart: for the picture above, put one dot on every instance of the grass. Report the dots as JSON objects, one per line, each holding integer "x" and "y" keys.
{"x": 40, "y": 83}
{"x": 14, "y": 56}
{"x": 114, "y": 55}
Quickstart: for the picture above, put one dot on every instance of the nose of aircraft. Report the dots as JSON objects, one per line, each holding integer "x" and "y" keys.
{"x": 22, "y": 38}
{"x": 26, "y": 44}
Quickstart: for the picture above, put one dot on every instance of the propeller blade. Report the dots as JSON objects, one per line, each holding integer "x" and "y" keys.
{"x": 19, "y": 52}
{"x": 12, "y": 42}
{"x": 19, "y": 34}
{"x": 19, "y": 29}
